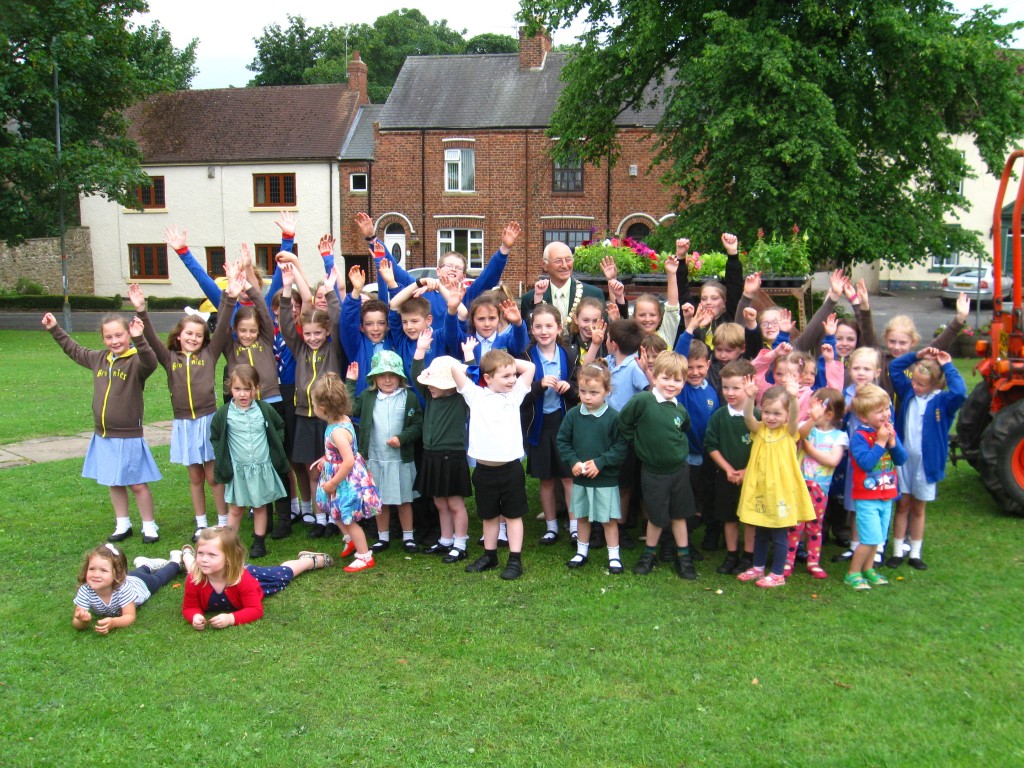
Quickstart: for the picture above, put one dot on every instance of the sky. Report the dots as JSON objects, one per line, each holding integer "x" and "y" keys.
{"x": 226, "y": 34}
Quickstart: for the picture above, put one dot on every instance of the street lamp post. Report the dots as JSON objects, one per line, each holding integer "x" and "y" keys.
{"x": 60, "y": 190}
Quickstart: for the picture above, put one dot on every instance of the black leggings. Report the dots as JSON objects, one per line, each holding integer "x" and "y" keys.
{"x": 779, "y": 538}
{"x": 156, "y": 579}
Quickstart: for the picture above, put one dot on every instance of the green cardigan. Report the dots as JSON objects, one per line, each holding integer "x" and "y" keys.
{"x": 223, "y": 470}
{"x": 412, "y": 423}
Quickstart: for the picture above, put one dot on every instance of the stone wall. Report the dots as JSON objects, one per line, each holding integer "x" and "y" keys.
{"x": 38, "y": 259}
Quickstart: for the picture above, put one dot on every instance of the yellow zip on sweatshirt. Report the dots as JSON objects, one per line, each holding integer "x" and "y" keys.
{"x": 110, "y": 377}
{"x": 188, "y": 383}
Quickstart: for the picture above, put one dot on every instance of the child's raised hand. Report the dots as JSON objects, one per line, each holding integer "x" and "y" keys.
{"x": 326, "y": 245}
{"x": 287, "y": 275}
{"x": 386, "y": 271}
{"x": 671, "y": 265}
{"x": 511, "y": 312}
{"x": 365, "y": 224}
{"x": 597, "y": 332}
{"x": 539, "y": 289}
{"x": 286, "y": 223}
{"x": 511, "y": 234}
{"x": 963, "y": 307}
{"x": 286, "y": 257}
{"x": 836, "y": 281}
{"x": 199, "y": 622}
{"x": 222, "y": 620}
{"x": 357, "y": 277}
{"x": 682, "y": 247}
{"x": 454, "y": 297}
{"x": 783, "y": 348}
{"x": 469, "y": 348}
{"x": 785, "y": 321}
{"x": 793, "y": 387}
{"x": 331, "y": 280}
{"x": 82, "y": 614}
{"x": 394, "y": 442}
{"x": 617, "y": 291}
{"x": 862, "y": 294}
{"x": 352, "y": 372}
{"x": 245, "y": 256}
{"x": 831, "y": 324}
{"x": 928, "y": 353}
{"x": 816, "y": 409}
{"x": 750, "y": 386}
{"x": 137, "y": 297}
{"x": 609, "y": 268}
{"x": 943, "y": 357}
{"x": 136, "y": 327}
{"x": 641, "y": 358}
{"x": 175, "y": 238}
{"x": 828, "y": 353}
{"x": 750, "y": 318}
{"x": 751, "y": 284}
{"x": 425, "y": 339}
{"x": 731, "y": 243}
{"x": 850, "y": 291}
{"x": 49, "y": 321}
{"x": 687, "y": 311}
{"x": 236, "y": 279}
{"x": 430, "y": 284}
{"x": 705, "y": 315}
{"x": 612, "y": 310}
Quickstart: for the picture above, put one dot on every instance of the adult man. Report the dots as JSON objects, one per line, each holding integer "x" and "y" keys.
{"x": 560, "y": 289}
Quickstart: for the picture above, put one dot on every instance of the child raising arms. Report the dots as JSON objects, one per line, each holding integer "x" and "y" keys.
{"x": 774, "y": 496}
{"x": 118, "y": 455}
{"x": 221, "y": 581}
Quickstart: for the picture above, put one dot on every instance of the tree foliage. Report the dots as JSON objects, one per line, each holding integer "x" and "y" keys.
{"x": 104, "y": 66}
{"x": 832, "y": 116}
{"x": 301, "y": 54}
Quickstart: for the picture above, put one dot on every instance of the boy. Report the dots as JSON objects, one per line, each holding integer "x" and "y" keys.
{"x": 496, "y": 444}
{"x": 701, "y": 401}
{"x": 876, "y": 451}
{"x": 408, "y": 318}
{"x": 728, "y": 340}
{"x": 655, "y": 423}
{"x": 363, "y": 327}
{"x": 727, "y": 443}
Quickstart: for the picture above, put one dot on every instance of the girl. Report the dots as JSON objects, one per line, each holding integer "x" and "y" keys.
{"x": 822, "y": 447}
{"x": 346, "y": 491}
{"x": 484, "y": 323}
{"x": 444, "y": 473}
{"x": 720, "y": 299}
{"x": 108, "y": 589}
{"x": 220, "y": 581}
{"x": 390, "y": 423}
{"x": 190, "y": 359}
{"x": 553, "y": 389}
{"x": 924, "y": 417}
{"x": 588, "y": 328}
{"x": 589, "y": 443}
{"x": 248, "y": 440}
{"x": 118, "y": 456}
{"x": 647, "y": 309}
{"x": 774, "y": 496}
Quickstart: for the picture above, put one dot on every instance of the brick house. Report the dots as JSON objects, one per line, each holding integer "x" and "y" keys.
{"x": 459, "y": 149}
{"x": 224, "y": 163}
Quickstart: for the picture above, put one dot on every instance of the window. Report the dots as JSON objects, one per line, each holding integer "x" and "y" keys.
{"x": 266, "y": 255}
{"x": 151, "y": 195}
{"x": 638, "y": 231}
{"x": 357, "y": 182}
{"x": 572, "y": 237}
{"x": 468, "y": 242}
{"x": 148, "y": 261}
{"x": 946, "y": 261}
{"x": 273, "y": 189}
{"x": 215, "y": 261}
{"x": 567, "y": 175}
{"x": 460, "y": 170}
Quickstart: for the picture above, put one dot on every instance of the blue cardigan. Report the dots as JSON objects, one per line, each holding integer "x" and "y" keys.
{"x": 939, "y": 417}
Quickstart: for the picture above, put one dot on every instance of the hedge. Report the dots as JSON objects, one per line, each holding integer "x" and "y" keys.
{"x": 104, "y": 303}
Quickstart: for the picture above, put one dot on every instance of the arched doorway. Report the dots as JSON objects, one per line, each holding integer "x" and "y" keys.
{"x": 638, "y": 231}
{"x": 394, "y": 240}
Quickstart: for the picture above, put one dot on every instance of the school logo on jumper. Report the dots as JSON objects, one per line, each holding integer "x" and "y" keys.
{"x": 678, "y": 421}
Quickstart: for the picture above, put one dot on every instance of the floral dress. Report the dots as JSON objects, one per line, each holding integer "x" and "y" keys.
{"x": 357, "y": 497}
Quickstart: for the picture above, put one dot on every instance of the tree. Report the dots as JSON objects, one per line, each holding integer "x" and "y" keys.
{"x": 835, "y": 117}
{"x": 491, "y": 43}
{"x": 103, "y": 68}
{"x": 284, "y": 55}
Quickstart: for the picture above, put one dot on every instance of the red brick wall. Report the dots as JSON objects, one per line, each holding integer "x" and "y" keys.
{"x": 513, "y": 182}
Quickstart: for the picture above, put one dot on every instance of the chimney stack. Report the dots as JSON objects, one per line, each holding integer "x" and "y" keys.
{"x": 357, "y": 77}
{"x": 533, "y": 50}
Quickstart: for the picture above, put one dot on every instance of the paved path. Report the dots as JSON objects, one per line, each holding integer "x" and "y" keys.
{"x": 44, "y": 449}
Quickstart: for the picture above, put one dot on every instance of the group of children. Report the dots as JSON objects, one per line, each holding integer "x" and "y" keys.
{"x": 737, "y": 422}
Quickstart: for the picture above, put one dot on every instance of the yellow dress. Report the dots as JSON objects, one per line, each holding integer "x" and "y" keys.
{"x": 774, "y": 494}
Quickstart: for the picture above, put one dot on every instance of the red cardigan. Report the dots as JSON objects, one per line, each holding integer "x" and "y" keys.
{"x": 246, "y": 593}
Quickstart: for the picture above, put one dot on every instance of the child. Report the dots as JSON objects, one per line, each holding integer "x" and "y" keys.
{"x": 346, "y": 491}
{"x": 249, "y": 445}
{"x": 774, "y": 496}
{"x": 221, "y": 581}
{"x": 589, "y": 443}
{"x": 390, "y": 422}
{"x": 408, "y": 319}
{"x": 552, "y": 391}
{"x": 316, "y": 352}
{"x": 823, "y": 444}
{"x": 190, "y": 359}
{"x": 656, "y": 426}
{"x": 444, "y": 473}
{"x": 727, "y": 442}
{"x": 484, "y": 323}
{"x": 118, "y": 455}
{"x": 701, "y": 401}
{"x": 728, "y": 342}
{"x": 588, "y": 329}
{"x": 496, "y": 444}
{"x": 364, "y": 327}
{"x": 719, "y": 299}
{"x": 923, "y": 420}
{"x": 647, "y": 309}
{"x": 108, "y": 589}
{"x": 876, "y": 452}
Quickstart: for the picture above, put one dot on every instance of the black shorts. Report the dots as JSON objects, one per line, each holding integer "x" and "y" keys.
{"x": 308, "y": 445}
{"x": 702, "y": 480}
{"x": 727, "y": 498}
{"x": 668, "y": 497}
{"x": 500, "y": 491}
{"x": 288, "y": 402}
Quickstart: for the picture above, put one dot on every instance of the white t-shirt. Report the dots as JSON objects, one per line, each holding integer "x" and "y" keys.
{"x": 134, "y": 590}
{"x": 495, "y": 432}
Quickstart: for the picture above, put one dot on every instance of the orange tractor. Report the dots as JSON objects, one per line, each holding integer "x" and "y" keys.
{"x": 990, "y": 430}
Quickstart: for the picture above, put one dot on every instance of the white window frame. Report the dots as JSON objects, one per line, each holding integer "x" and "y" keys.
{"x": 352, "y": 183}
{"x": 460, "y": 170}
{"x": 946, "y": 263}
{"x": 470, "y": 244}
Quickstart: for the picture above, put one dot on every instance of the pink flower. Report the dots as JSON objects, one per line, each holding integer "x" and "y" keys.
{"x": 796, "y": 230}
{"x": 760, "y": 233}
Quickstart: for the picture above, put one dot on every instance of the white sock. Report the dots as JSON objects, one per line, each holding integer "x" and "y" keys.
{"x": 915, "y": 548}
{"x": 149, "y": 528}
{"x": 408, "y": 536}
{"x": 321, "y": 518}
{"x": 503, "y": 531}
{"x": 613, "y": 553}
{"x": 573, "y": 526}
{"x": 384, "y": 535}
{"x": 897, "y": 547}
{"x": 295, "y": 505}
{"x": 365, "y": 557}
{"x": 222, "y": 520}
{"x": 551, "y": 524}
{"x": 854, "y": 545}
{"x": 582, "y": 548}
{"x": 461, "y": 541}
{"x": 306, "y": 508}
{"x": 122, "y": 524}
{"x": 201, "y": 521}
{"x": 446, "y": 542}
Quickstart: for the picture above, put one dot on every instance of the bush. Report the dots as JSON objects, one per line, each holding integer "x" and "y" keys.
{"x": 48, "y": 303}
{"x": 26, "y": 287}
{"x": 172, "y": 303}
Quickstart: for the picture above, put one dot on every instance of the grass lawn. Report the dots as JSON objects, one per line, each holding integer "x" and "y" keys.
{"x": 420, "y": 664}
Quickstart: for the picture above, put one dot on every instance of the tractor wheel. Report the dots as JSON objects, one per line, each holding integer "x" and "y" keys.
{"x": 974, "y": 418}
{"x": 1002, "y": 458}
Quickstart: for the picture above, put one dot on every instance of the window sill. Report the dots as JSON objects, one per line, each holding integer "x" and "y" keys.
{"x": 568, "y": 192}
{"x": 273, "y": 208}
{"x": 459, "y": 193}
{"x": 148, "y": 281}
{"x": 145, "y": 210}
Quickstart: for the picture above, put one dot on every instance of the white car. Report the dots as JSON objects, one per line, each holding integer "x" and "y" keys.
{"x": 416, "y": 273}
{"x": 964, "y": 279}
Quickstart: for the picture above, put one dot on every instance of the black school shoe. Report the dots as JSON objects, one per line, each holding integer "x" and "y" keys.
{"x": 917, "y": 564}
{"x": 728, "y": 566}
{"x": 154, "y": 539}
{"x": 482, "y": 563}
{"x": 116, "y": 537}
{"x": 684, "y": 567}
{"x": 666, "y": 548}
{"x": 257, "y": 550}
{"x": 437, "y": 549}
{"x": 513, "y": 570}
{"x": 380, "y": 545}
{"x": 645, "y": 564}
{"x": 454, "y": 555}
